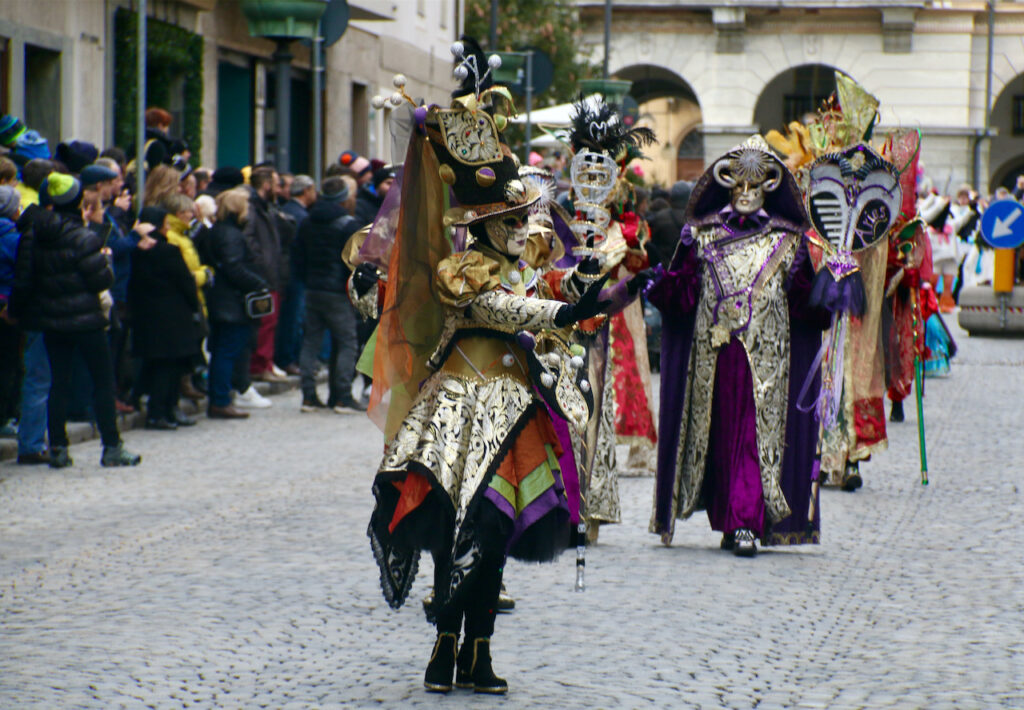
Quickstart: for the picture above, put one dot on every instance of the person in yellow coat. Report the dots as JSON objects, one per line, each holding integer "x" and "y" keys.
{"x": 180, "y": 212}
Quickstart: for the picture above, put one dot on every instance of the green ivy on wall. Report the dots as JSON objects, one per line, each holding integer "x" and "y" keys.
{"x": 171, "y": 52}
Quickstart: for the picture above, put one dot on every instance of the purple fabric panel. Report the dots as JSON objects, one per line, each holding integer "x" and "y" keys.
{"x": 376, "y": 248}
{"x": 500, "y": 503}
{"x": 619, "y": 297}
{"x": 799, "y": 284}
{"x": 736, "y": 498}
{"x": 677, "y": 294}
{"x": 547, "y": 501}
{"x": 568, "y": 239}
{"x": 677, "y": 291}
{"x": 567, "y": 462}
{"x": 799, "y": 464}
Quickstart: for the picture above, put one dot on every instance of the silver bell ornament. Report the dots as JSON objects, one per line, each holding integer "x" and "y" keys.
{"x": 399, "y": 81}
{"x": 576, "y": 362}
{"x": 508, "y": 360}
{"x": 584, "y": 385}
{"x": 547, "y": 379}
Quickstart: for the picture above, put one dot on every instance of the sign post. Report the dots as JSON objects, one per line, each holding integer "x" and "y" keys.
{"x": 1002, "y": 226}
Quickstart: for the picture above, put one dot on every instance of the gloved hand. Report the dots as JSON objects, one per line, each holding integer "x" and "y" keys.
{"x": 587, "y": 307}
{"x": 636, "y": 284}
{"x": 364, "y": 278}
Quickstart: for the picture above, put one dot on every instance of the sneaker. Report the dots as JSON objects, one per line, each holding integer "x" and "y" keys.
{"x": 348, "y": 405}
{"x": 119, "y": 456}
{"x": 59, "y": 457}
{"x": 251, "y": 399}
{"x": 312, "y": 404}
{"x": 277, "y": 371}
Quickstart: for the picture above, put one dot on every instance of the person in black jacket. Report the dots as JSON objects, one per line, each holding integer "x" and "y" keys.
{"x": 164, "y": 307}
{"x": 667, "y": 224}
{"x": 59, "y": 276}
{"x": 226, "y": 249}
{"x": 318, "y": 263}
{"x": 371, "y": 196}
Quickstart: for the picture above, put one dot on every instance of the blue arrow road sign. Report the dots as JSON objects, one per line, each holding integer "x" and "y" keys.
{"x": 1002, "y": 225}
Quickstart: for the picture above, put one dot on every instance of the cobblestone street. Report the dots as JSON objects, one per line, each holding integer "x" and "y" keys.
{"x": 232, "y": 569}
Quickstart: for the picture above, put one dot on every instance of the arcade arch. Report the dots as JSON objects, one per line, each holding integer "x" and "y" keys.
{"x": 1006, "y": 149}
{"x": 669, "y": 105}
{"x": 792, "y": 94}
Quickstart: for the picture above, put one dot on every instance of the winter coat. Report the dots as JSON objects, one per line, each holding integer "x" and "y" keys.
{"x": 9, "y": 238}
{"x": 122, "y": 243}
{"x": 368, "y": 204}
{"x": 227, "y": 250}
{"x": 264, "y": 241}
{"x": 318, "y": 246}
{"x": 162, "y": 303}
{"x": 666, "y": 226}
{"x": 177, "y": 234}
{"x": 59, "y": 275}
{"x": 295, "y": 210}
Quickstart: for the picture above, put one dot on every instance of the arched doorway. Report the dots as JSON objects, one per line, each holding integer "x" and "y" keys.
{"x": 1006, "y": 152}
{"x": 793, "y": 94}
{"x": 690, "y": 155}
{"x": 669, "y": 105}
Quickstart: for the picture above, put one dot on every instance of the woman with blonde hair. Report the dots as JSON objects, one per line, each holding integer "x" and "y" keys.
{"x": 160, "y": 182}
{"x": 225, "y": 249}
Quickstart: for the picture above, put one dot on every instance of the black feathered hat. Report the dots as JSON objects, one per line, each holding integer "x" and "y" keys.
{"x": 597, "y": 126}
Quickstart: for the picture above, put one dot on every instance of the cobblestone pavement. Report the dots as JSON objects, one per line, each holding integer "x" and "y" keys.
{"x": 231, "y": 569}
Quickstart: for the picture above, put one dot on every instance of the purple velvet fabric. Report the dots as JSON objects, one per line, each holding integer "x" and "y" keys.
{"x": 733, "y": 481}
{"x": 567, "y": 462}
{"x": 799, "y": 463}
{"x": 844, "y": 295}
{"x": 675, "y": 295}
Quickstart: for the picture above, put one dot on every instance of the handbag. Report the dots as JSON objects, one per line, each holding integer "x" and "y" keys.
{"x": 259, "y": 304}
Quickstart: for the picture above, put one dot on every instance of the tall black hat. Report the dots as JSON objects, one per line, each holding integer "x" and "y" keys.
{"x": 466, "y": 138}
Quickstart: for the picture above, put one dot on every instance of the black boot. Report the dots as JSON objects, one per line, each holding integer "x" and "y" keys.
{"x": 438, "y": 678}
{"x": 896, "y": 413}
{"x": 481, "y": 673}
{"x": 464, "y": 666}
{"x": 851, "y": 477}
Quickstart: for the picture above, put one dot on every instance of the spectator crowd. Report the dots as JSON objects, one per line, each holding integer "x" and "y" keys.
{"x": 114, "y": 300}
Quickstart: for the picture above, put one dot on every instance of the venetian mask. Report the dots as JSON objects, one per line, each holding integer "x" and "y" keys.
{"x": 509, "y": 232}
{"x": 748, "y": 175}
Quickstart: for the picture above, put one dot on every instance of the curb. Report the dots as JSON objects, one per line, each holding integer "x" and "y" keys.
{"x": 87, "y": 431}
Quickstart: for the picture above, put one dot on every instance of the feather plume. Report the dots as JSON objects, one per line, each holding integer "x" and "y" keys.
{"x": 597, "y": 126}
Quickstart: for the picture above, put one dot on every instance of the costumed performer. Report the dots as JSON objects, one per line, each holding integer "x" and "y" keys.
{"x": 466, "y": 348}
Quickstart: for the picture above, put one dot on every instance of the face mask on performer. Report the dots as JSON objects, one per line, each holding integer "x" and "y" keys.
{"x": 748, "y": 176}
{"x": 508, "y": 234}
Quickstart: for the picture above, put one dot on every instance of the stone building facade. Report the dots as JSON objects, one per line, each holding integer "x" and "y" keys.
{"x": 58, "y": 70}
{"x": 723, "y": 70}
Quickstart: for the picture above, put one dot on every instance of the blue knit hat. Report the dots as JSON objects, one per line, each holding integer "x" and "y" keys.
{"x": 11, "y": 128}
